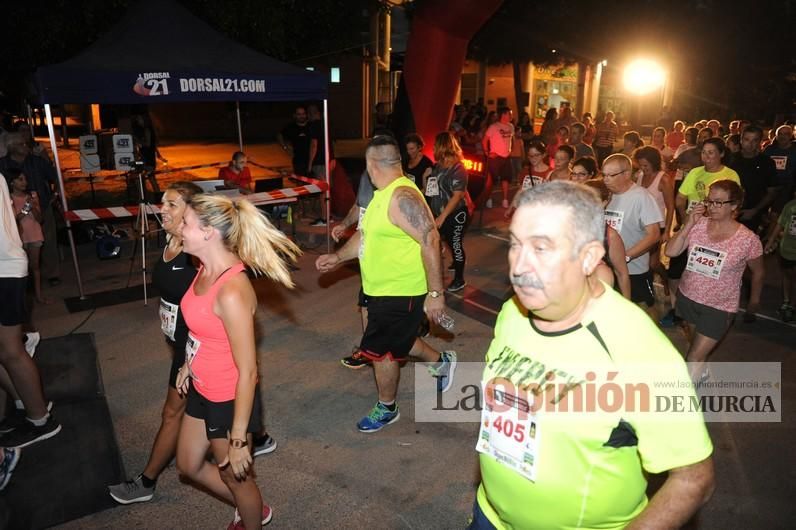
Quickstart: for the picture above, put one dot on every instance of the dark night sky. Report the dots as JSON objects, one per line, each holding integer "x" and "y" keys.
{"x": 730, "y": 56}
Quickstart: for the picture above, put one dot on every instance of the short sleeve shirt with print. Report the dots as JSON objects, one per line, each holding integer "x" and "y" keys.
{"x": 696, "y": 184}
{"x": 719, "y": 283}
{"x": 449, "y": 180}
{"x": 590, "y": 470}
{"x": 500, "y": 136}
{"x": 787, "y": 220}
{"x": 629, "y": 213}
{"x": 785, "y": 162}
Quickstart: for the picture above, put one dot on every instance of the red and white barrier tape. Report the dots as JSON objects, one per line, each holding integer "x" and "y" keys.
{"x": 269, "y": 197}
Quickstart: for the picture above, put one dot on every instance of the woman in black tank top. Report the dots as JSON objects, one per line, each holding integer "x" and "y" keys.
{"x": 172, "y": 276}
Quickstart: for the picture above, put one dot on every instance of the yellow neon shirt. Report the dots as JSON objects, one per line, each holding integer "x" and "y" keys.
{"x": 389, "y": 258}
{"x": 696, "y": 183}
{"x": 583, "y": 480}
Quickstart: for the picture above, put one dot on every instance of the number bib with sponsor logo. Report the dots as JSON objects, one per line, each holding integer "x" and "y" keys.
{"x": 509, "y": 432}
{"x": 706, "y": 261}
{"x": 191, "y": 348}
{"x": 432, "y": 187}
{"x": 168, "y": 318}
{"x": 614, "y": 219}
{"x": 792, "y": 226}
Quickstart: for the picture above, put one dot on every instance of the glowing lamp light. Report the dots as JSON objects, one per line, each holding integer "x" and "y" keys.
{"x": 643, "y": 76}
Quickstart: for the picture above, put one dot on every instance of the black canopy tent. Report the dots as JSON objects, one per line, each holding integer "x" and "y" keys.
{"x": 159, "y": 53}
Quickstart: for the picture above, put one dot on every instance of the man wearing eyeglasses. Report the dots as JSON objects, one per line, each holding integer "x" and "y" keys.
{"x": 633, "y": 213}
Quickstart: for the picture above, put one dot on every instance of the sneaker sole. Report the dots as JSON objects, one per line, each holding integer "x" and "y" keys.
{"x": 353, "y": 367}
{"x": 266, "y": 450}
{"x": 268, "y": 519}
{"x": 14, "y": 461}
{"x": 450, "y": 376}
{"x": 368, "y": 431}
{"x": 6, "y": 431}
{"x": 455, "y": 289}
{"x": 145, "y": 498}
{"x": 5, "y": 481}
{"x": 41, "y": 438}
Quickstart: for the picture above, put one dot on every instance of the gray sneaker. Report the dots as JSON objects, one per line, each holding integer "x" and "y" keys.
{"x": 264, "y": 445}
{"x": 444, "y": 370}
{"x": 131, "y": 491}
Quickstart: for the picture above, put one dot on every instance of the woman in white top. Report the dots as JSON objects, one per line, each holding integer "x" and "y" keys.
{"x": 661, "y": 187}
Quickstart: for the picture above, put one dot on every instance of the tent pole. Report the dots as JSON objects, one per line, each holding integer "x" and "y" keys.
{"x": 240, "y": 130}
{"x": 328, "y": 179}
{"x": 64, "y": 205}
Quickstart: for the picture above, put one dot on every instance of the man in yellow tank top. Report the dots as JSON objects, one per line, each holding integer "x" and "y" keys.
{"x": 398, "y": 251}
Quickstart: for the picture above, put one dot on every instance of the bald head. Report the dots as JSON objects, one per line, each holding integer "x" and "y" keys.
{"x": 383, "y": 160}
{"x": 617, "y": 170}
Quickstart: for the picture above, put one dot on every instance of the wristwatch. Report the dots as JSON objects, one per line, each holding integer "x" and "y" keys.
{"x": 627, "y": 259}
{"x": 238, "y": 444}
{"x": 434, "y": 294}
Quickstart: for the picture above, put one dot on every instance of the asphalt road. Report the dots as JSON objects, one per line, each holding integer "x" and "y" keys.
{"x": 324, "y": 473}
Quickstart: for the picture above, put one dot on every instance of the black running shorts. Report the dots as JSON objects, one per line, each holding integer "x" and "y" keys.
{"x": 12, "y": 301}
{"x": 218, "y": 416}
{"x": 393, "y": 322}
{"x": 641, "y": 289}
{"x": 708, "y": 321}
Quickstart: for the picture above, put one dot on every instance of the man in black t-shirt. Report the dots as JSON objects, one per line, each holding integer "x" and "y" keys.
{"x": 295, "y": 139}
{"x": 758, "y": 175}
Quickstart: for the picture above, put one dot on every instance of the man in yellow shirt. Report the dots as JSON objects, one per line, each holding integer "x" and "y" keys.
{"x": 398, "y": 250}
{"x": 545, "y": 462}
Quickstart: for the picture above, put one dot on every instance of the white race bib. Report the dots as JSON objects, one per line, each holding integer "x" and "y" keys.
{"x": 432, "y": 187}
{"x": 792, "y": 227}
{"x": 168, "y": 318}
{"x": 614, "y": 219}
{"x": 361, "y": 215}
{"x": 191, "y": 348}
{"x": 527, "y": 182}
{"x": 706, "y": 261}
{"x": 509, "y": 431}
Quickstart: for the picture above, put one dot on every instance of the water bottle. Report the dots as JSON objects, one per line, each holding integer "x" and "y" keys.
{"x": 446, "y": 321}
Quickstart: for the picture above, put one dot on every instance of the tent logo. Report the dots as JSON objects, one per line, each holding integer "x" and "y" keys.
{"x": 152, "y": 84}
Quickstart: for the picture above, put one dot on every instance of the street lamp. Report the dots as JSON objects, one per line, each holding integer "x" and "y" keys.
{"x": 643, "y": 76}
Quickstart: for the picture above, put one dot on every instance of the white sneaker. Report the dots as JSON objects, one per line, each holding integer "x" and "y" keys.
{"x": 31, "y": 341}
{"x": 488, "y": 203}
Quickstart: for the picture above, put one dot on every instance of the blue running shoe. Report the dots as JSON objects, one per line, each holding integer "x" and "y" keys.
{"x": 444, "y": 371}
{"x": 378, "y": 418}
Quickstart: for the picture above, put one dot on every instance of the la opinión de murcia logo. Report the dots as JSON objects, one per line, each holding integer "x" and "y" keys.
{"x": 152, "y": 84}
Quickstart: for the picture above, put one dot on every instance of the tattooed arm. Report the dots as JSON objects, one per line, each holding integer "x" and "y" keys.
{"x": 409, "y": 212}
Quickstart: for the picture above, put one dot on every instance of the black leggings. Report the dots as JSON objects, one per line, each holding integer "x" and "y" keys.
{"x": 452, "y": 232}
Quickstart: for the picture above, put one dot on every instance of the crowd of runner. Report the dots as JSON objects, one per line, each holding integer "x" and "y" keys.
{"x": 589, "y": 230}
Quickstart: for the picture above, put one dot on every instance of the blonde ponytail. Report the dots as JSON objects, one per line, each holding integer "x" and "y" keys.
{"x": 249, "y": 234}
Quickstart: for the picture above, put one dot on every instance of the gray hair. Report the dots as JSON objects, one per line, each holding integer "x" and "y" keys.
{"x": 583, "y": 203}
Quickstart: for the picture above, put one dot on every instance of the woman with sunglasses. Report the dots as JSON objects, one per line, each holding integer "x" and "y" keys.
{"x": 719, "y": 250}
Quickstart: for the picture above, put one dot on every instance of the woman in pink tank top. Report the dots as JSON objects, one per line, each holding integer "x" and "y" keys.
{"x": 220, "y": 371}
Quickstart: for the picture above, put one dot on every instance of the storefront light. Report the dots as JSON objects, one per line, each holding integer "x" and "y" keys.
{"x": 642, "y": 76}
